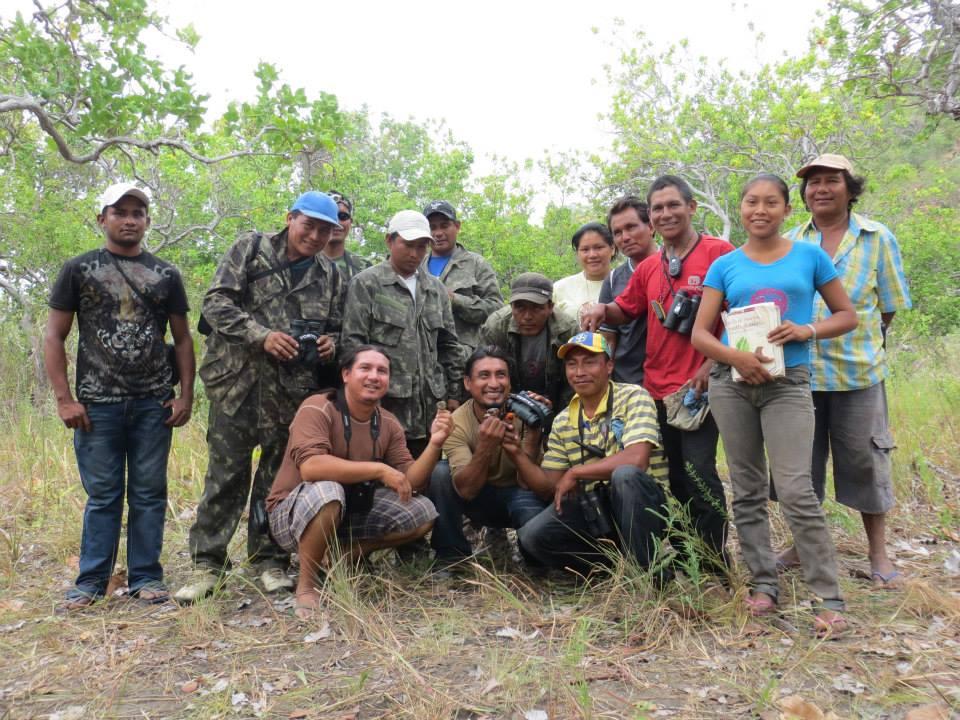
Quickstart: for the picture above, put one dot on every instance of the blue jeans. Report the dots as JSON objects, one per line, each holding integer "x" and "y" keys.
{"x": 497, "y": 507}
{"x": 637, "y": 509}
{"x": 125, "y": 435}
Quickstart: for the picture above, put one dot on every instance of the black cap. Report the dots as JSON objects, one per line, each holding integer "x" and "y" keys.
{"x": 339, "y": 197}
{"x": 532, "y": 287}
{"x": 442, "y": 207}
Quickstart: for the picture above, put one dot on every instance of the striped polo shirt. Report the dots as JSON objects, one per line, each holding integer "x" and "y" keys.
{"x": 871, "y": 270}
{"x": 632, "y": 420}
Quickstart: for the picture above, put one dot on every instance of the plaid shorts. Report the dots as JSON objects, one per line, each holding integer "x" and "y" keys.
{"x": 388, "y": 516}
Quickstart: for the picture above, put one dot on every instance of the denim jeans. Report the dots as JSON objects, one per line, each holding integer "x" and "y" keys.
{"x": 694, "y": 482}
{"x": 497, "y": 507}
{"x": 128, "y": 435}
{"x": 774, "y": 420}
{"x": 637, "y": 508}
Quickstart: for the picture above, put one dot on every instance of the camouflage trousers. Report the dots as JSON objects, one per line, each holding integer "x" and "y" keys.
{"x": 226, "y": 487}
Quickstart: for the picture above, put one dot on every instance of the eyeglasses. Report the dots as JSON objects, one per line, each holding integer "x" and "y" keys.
{"x": 343, "y": 216}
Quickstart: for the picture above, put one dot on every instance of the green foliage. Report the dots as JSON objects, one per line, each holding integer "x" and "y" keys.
{"x": 903, "y": 49}
{"x": 674, "y": 112}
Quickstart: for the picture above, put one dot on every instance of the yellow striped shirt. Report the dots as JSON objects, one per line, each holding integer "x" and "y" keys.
{"x": 632, "y": 420}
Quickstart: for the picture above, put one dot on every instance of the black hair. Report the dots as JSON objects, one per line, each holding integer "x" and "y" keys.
{"x": 856, "y": 184}
{"x": 488, "y": 351}
{"x": 625, "y": 203}
{"x": 350, "y": 356}
{"x": 599, "y": 228}
{"x": 771, "y": 178}
{"x": 665, "y": 181}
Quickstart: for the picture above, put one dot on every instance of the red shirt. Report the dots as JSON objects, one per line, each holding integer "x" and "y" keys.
{"x": 671, "y": 359}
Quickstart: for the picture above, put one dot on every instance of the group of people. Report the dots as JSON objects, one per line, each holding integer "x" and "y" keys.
{"x": 391, "y": 401}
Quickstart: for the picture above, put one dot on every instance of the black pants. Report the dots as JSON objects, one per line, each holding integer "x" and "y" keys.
{"x": 698, "y": 486}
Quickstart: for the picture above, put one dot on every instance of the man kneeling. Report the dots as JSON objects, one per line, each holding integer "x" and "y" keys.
{"x": 347, "y": 473}
{"x": 481, "y": 477}
{"x": 601, "y": 460}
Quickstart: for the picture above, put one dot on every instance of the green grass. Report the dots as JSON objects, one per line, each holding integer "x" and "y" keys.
{"x": 402, "y": 646}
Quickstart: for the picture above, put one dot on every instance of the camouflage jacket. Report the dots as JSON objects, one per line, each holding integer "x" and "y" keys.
{"x": 352, "y": 265}
{"x": 243, "y": 309}
{"x": 500, "y": 329}
{"x": 426, "y": 361}
{"x": 476, "y": 293}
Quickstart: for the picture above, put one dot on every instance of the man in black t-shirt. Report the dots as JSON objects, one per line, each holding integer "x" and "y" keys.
{"x": 125, "y": 409}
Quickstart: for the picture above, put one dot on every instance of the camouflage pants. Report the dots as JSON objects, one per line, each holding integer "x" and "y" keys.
{"x": 230, "y": 445}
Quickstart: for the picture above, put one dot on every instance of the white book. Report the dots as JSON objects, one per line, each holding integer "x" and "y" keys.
{"x": 747, "y": 329}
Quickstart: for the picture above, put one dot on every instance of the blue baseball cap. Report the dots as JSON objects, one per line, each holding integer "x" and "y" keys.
{"x": 317, "y": 205}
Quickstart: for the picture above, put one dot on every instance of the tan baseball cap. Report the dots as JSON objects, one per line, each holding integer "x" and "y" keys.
{"x": 828, "y": 160}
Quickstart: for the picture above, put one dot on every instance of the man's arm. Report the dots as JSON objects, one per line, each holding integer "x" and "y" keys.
{"x": 186, "y": 367}
{"x": 531, "y": 476}
{"x": 450, "y": 354}
{"x": 487, "y": 299}
{"x": 356, "y": 316}
{"x": 223, "y": 302}
{"x": 418, "y": 474}
{"x": 470, "y": 479}
{"x": 73, "y": 413}
{"x": 637, "y": 454}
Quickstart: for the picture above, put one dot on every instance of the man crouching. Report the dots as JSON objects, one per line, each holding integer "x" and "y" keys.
{"x": 603, "y": 460}
{"x": 347, "y": 472}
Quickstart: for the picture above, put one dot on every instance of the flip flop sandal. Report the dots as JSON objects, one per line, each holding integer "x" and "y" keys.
{"x": 887, "y": 582}
{"x": 831, "y": 628}
{"x": 76, "y": 600}
{"x": 304, "y": 611}
{"x": 760, "y": 606}
{"x": 151, "y": 594}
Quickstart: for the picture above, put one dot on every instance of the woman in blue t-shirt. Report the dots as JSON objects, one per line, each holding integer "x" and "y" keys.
{"x": 761, "y": 416}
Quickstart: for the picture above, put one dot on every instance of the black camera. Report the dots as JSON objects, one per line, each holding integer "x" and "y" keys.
{"x": 682, "y": 313}
{"x": 531, "y": 411}
{"x": 306, "y": 333}
{"x": 595, "y": 508}
{"x": 360, "y": 497}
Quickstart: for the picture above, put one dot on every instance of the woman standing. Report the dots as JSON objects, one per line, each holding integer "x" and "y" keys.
{"x": 595, "y": 250}
{"x": 765, "y": 417}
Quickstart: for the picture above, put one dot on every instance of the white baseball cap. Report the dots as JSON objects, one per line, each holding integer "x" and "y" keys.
{"x": 113, "y": 194}
{"x": 410, "y": 225}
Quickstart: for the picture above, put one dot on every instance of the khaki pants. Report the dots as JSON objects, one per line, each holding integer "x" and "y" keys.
{"x": 777, "y": 416}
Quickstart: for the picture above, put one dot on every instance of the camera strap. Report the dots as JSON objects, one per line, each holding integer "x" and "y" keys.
{"x": 606, "y": 427}
{"x": 665, "y": 261}
{"x": 340, "y": 402}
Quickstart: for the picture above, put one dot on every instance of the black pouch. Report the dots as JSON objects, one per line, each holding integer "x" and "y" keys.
{"x": 595, "y": 507}
{"x": 258, "y": 513}
{"x": 174, "y": 368}
{"x": 360, "y": 497}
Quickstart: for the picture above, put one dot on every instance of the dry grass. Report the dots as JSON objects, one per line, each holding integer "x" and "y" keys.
{"x": 491, "y": 644}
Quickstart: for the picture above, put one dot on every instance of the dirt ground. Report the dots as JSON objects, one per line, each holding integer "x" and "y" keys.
{"x": 392, "y": 643}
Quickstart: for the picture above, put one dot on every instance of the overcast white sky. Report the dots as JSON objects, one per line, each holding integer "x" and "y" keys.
{"x": 512, "y": 78}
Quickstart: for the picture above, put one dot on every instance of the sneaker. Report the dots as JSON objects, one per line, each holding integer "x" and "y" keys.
{"x": 275, "y": 579}
{"x": 201, "y": 583}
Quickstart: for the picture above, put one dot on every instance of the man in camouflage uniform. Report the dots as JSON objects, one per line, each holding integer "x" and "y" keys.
{"x": 347, "y": 262}
{"x": 532, "y": 331}
{"x": 402, "y": 308}
{"x": 257, "y": 370}
{"x": 470, "y": 280}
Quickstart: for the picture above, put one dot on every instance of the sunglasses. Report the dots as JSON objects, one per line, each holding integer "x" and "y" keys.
{"x": 343, "y": 216}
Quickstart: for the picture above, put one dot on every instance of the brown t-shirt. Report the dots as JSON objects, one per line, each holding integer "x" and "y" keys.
{"x": 317, "y": 429}
{"x": 462, "y": 442}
